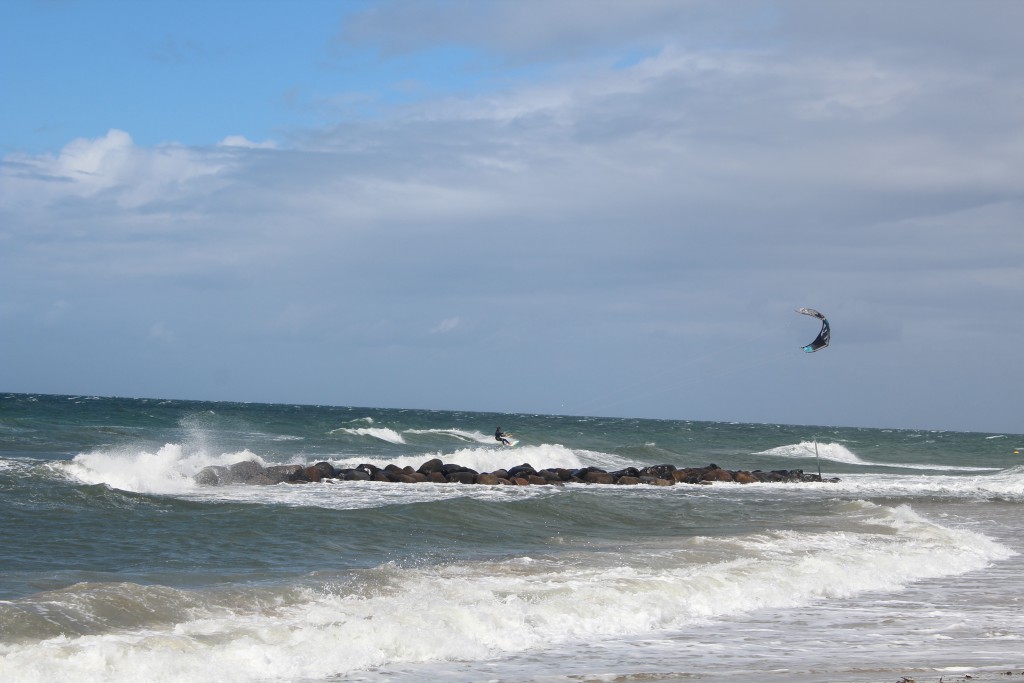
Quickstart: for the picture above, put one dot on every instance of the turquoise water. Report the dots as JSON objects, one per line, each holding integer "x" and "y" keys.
{"x": 115, "y": 565}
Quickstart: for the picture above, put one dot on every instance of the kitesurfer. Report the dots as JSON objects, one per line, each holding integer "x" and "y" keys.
{"x": 501, "y": 436}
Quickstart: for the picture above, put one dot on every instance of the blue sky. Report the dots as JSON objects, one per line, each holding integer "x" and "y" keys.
{"x": 570, "y": 206}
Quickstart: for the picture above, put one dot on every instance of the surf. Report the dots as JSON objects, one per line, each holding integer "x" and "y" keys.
{"x": 470, "y": 610}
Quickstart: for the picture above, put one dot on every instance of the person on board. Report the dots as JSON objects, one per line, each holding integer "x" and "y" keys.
{"x": 501, "y": 436}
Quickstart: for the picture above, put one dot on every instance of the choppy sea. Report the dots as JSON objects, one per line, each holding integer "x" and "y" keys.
{"x": 116, "y": 566}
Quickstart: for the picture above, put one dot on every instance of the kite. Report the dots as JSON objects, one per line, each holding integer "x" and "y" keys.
{"x": 821, "y": 341}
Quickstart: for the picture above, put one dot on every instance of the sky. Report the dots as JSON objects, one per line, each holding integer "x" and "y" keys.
{"x": 582, "y": 207}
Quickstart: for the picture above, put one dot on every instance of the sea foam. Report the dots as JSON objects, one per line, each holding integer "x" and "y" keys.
{"x": 473, "y": 611}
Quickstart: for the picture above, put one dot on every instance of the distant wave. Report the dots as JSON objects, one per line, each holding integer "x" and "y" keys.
{"x": 382, "y": 433}
{"x": 459, "y": 434}
{"x": 839, "y": 453}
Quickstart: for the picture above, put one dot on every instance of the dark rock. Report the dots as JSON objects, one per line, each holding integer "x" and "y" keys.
{"x": 211, "y": 476}
{"x": 598, "y": 477}
{"x": 310, "y": 474}
{"x": 356, "y": 475}
{"x": 660, "y": 471}
{"x": 429, "y": 466}
{"x": 251, "y": 472}
{"x": 326, "y": 470}
{"x": 563, "y": 473}
{"x": 550, "y": 475}
{"x": 244, "y": 472}
{"x": 451, "y": 469}
{"x": 716, "y": 474}
{"x": 466, "y": 476}
{"x": 276, "y": 474}
{"x": 521, "y": 470}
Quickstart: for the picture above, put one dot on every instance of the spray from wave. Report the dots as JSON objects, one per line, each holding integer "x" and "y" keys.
{"x": 382, "y": 433}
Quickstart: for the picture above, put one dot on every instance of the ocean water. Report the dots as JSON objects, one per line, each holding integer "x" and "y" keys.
{"x": 116, "y": 566}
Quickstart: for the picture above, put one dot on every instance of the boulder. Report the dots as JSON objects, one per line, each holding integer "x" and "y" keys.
{"x": 598, "y": 477}
{"x": 211, "y": 476}
{"x": 356, "y": 475}
{"x": 630, "y": 472}
{"x": 244, "y": 472}
{"x": 660, "y": 471}
{"x": 429, "y": 466}
{"x": 436, "y": 471}
{"x": 275, "y": 474}
{"x": 716, "y": 474}
{"x": 466, "y": 476}
{"x": 521, "y": 470}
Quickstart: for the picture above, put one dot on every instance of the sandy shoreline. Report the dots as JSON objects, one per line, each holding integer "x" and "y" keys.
{"x": 987, "y": 676}
{"x": 973, "y": 677}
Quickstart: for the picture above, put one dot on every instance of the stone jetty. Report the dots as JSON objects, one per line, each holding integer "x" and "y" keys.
{"x": 438, "y": 472}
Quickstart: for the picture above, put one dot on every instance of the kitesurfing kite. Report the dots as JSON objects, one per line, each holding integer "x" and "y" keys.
{"x": 821, "y": 341}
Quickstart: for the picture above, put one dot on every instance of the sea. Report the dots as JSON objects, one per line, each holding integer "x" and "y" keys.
{"x": 116, "y": 566}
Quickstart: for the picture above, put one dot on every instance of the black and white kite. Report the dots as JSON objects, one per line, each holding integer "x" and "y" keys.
{"x": 821, "y": 341}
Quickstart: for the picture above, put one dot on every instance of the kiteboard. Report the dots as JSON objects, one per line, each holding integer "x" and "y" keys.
{"x": 512, "y": 441}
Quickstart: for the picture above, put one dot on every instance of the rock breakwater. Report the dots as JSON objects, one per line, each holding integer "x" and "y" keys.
{"x": 439, "y": 472}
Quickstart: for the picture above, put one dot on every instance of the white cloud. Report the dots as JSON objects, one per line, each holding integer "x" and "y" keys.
{"x": 446, "y": 325}
{"x": 242, "y": 141}
{"x": 111, "y": 166}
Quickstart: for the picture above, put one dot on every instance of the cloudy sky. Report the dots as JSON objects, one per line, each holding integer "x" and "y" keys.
{"x": 548, "y": 206}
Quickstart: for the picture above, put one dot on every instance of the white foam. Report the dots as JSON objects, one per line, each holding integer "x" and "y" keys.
{"x": 482, "y": 459}
{"x": 839, "y": 453}
{"x": 460, "y": 434}
{"x": 1006, "y": 485}
{"x": 479, "y": 611}
{"x": 167, "y": 471}
{"x": 382, "y": 433}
